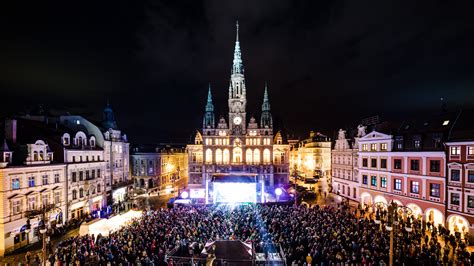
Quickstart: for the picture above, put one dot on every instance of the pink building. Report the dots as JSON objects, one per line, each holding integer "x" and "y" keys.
{"x": 460, "y": 174}
{"x": 406, "y": 164}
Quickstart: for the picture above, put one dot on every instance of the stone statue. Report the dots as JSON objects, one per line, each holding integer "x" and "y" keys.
{"x": 342, "y": 134}
{"x": 361, "y": 130}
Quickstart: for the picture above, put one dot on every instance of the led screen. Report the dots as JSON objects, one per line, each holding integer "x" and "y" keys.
{"x": 235, "y": 192}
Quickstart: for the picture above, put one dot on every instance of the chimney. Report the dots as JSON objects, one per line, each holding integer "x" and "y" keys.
{"x": 10, "y": 130}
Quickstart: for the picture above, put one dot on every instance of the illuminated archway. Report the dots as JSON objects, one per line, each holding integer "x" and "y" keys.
{"x": 266, "y": 156}
{"x": 248, "y": 156}
{"x": 380, "y": 198}
{"x": 399, "y": 203}
{"x": 208, "y": 156}
{"x": 226, "y": 156}
{"x": 218, "y": 156}
{"x": 416, "y": 210}
{"x": 434, "y": 216}
{"x": 256, "y": 156}
{"x": 457, "y": 223}
{"x": 365, "y": 199}
{"x": 237, "y": 155}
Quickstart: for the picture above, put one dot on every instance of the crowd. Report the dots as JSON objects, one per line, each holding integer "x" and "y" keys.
{"x": 308, "y": 236}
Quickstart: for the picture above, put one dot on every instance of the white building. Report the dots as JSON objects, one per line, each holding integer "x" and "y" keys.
{"x": 345, "y": 180}
{"x": 29, "y": 179}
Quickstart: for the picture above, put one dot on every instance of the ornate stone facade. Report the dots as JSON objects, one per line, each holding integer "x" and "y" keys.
{"x": 235, "y": 146}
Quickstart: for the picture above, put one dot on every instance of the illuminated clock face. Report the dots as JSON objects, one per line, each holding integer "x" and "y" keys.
{"x": 237, "y": 120}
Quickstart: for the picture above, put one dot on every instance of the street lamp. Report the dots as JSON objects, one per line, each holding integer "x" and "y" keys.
{"x": 392, "y": 214}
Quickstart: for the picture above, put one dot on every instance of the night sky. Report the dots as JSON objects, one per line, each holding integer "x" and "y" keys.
{"x": 328, "y": 64}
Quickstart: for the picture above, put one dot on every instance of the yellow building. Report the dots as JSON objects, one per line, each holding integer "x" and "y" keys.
{"x": 159, "y": 168}
{"x": 311, "y": 157}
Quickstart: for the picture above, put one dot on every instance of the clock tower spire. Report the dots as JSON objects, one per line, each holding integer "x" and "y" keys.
{"x": 237, "y": 90}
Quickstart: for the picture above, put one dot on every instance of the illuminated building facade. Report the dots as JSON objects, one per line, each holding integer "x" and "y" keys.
{"x": 344, "y": 165}
{"x": 311, "y": 158}
{"x": 159, "y": 168}
{"x": 30, "y": 177}
{"x": 117, "y": 157}
{"x": 406, "y": 163}
{"x": 460, "y": 175}
{"x": 235, "y": 147}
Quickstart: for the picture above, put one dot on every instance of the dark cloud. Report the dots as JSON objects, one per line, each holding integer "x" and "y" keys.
{"x": 327, "y": 63}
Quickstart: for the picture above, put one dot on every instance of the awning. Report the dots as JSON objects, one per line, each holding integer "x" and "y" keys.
{"x": 77, "y": 205}
{"x": 97, "y": 198}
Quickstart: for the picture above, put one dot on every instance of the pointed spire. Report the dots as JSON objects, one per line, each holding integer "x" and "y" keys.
{"x": 209, "y": 95}
{"x": 209, "y": 114}
{"x": 238, "y": 67}
{"x": 266, "y": 120}
{"x": 237, "y": 31}
{"x": 266, "y": 101}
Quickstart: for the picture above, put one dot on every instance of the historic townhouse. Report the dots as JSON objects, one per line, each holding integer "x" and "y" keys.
{"x": 85, "y": 170}
{"x": 406, "y": 164}
{"x": 158, "y": 168}
{"x": 344, "y": 165}
{"x": 30, "y": 178}
{"x": 460, "y": 174}
{"x": 311, "y": 158}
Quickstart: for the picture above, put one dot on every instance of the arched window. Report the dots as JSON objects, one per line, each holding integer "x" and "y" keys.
{"x": 266, "y": 156}
{"x": 35, "y": 156}
{"x": 256, "y": 156}
{"x": 218, "y": 156}
{"x": 248, "y": 156}
{"x": 208, "y": 156}
{"x": 237, "y": 155}
{"x": 226, "y": 156}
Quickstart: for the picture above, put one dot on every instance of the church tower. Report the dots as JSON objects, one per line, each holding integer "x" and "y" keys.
{"x": 237, "y": 91}
{"x": 266, "y": 119}
{"x": 108, "y": 118}
{"x": 209, "y": 121}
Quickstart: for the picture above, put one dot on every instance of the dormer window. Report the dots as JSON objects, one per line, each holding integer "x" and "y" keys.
{"x": 66, "y": 140}
{"x": 399, "y": 142}
{"x": 417, "y": 142}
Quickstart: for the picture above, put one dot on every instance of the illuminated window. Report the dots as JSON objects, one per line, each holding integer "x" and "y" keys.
{"x": 248, "y": 156}
{"x": 258, "y": 141}
{"x": 445, "y": 122}
{"x": 237, "y": 155}
{"x": 266, "y": 156}
{"x": 383, "y": 182}
{"x": 365, "y": 147}
{"x": 470, "y": 150}
{"x": 383, "y": 146}
{"x": 226, "y": 156}
{"x": 256, "y": 156}
{"x": 208, "y": 156}
{"x": 455, "y": 150}
{"x": 415, "y": 187}
{"x": 373, "y": 147}
{"x": 218, "y": 156}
